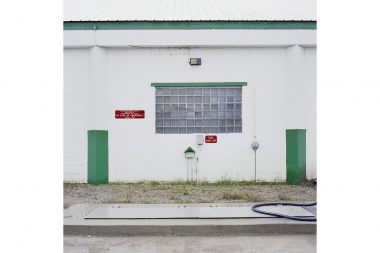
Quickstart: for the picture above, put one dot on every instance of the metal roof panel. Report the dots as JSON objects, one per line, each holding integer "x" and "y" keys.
{"x": 189, "y": 10}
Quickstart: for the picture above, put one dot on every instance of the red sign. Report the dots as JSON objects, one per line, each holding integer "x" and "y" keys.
{"x": 211, "y": 139}
{"x": 129, "y": 114}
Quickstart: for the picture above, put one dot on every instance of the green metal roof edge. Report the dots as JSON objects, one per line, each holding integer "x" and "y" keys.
{"x": 189, "y": 25}
{"x": 189, "y": 149}
{"x": 203, "y": 84}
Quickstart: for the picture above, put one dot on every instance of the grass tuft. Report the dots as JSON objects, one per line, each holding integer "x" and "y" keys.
{"x": 180, "y": 201}
{"x": 68, "y": 185}
{"x": 284, "y": 197}
{"x": 231, "y": 196}
{"x": 241, "y": 196}
{"x": 117, "y": 201}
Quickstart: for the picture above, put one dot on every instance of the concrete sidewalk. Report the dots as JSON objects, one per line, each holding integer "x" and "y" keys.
{"x": 76, "y": 224}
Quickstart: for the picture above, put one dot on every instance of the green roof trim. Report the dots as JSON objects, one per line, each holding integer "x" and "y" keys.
{"x": 189, "y": 25}
{"x": 209, "y": 84}
{"x": 189, "y": 150}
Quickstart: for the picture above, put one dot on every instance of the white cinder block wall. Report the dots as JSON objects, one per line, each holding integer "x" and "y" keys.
{"x": 106, "y": 71}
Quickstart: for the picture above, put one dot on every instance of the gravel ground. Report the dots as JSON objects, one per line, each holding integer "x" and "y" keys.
{"x": 152, "y": 192}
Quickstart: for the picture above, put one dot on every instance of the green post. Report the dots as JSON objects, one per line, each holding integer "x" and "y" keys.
{"x": 295, "y": 156}
{"x": 97, "y": 160}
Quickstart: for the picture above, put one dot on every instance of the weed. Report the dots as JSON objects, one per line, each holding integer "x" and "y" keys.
{"x": 163, "y": 187}
{"x": 242, "y": 196}
{"x": 253, "y": 198}
{"x": 228, "y": 182}
{"x": 259, "y": 182}
{"x": 203, "y": 183}
{"x": 118, "y": 183}
{"x": 224, "y": 181}
{"x": 180, "y": 191}
{"x": 70, "y": 185}
{"x": 173, "y": 197}
{"x": 180, "y": 201}
{"x": 155, "y": 183}
{"x": 232, "y": 196}
{"x": 284, "y": 197}
{"x": 117, "y": 201}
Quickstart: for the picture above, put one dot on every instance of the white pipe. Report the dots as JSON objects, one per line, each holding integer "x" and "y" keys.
{"x": 254, "y": 114}
{"x": 187, "y": 163}
{"x": 254, "y": 125}
{"x": 191, "y": 170}
{"x": 199, "y": 147}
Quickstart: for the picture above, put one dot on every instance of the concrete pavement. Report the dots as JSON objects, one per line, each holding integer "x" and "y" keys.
{"x": 190, "y": 244}
{"x": 76, "y": 224}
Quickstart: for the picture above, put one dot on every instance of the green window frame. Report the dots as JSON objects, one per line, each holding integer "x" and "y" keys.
{"x": 189, "y": 108}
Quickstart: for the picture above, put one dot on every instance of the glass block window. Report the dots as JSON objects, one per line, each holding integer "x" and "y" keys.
{"x": 198, "y": 110}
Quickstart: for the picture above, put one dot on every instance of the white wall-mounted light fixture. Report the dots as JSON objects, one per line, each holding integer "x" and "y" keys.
{"x": 195, "y": 61}
{"x": 200, "y": 139}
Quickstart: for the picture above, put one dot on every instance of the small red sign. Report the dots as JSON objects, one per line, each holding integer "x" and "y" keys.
{"x": 129, "y": 114}
{"x": 211, "y": 139}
